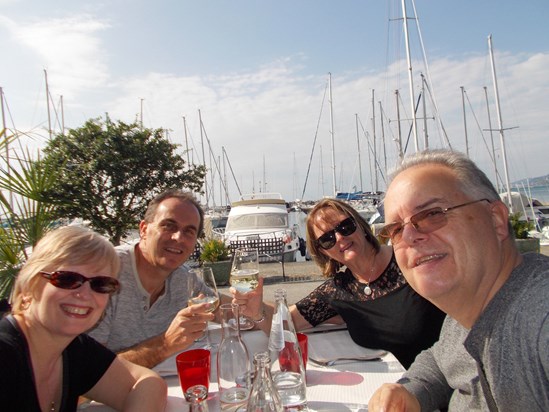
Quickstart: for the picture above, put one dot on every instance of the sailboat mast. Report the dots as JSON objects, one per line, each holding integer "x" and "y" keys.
{"x": 322, "y": 173}
{"x": 464, "y": 120}
{"x": 383, "y": 138}
{"x": 186, "y": 141}
{"x": 264, "y": 177}
{"x": 500, "y": 124}
{"x": 410, "y": 76}
{"x": 203, "y": 157}
{"x": 141, "y": 113}
{"x": 358, "y": 148}
{"x": 48, "y": 103}
{"x": 374, "y": 138}
{"x": 425, "y": 132}
{"x": 491, "y": 138}
{"x": 62, "y": 116}
{"x": 332, "y": 133}
{"x": 399, "y": 128}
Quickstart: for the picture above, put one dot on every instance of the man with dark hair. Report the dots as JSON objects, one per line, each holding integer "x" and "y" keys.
{"x": 149, "y": 321}
{"x": 452, "y": 240}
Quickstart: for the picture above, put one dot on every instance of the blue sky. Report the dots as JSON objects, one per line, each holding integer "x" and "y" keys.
{"x": 258, "y": 71}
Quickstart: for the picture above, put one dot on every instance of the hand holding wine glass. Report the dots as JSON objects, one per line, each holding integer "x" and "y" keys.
{"x": 245, "y": 276}
{"x": 203, "y": 289}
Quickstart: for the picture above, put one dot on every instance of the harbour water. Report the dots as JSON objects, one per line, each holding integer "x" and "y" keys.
{"x": 540, "y": 193}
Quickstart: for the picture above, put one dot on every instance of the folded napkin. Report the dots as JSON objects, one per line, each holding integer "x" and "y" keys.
{"x": 340, "y": 345}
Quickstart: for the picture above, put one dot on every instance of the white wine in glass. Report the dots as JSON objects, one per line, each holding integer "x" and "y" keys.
{"x": 213, "y": 300}
{"x": 245, "y": 276}
{"x": 203, "y": 289}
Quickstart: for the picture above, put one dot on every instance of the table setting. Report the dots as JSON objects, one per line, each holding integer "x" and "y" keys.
{"x": 340, "y": 385}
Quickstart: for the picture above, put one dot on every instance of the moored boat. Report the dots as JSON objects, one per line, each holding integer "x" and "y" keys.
{"x": 260, "y": 220}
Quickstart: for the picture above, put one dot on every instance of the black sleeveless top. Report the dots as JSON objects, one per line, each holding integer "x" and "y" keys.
{"x": 394, "y": 317}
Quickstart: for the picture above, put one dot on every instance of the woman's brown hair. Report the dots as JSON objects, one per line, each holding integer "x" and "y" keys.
{"x": 329, "y": 266}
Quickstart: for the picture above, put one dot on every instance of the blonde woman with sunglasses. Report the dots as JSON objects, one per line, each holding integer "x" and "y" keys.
{"x": 365, "y": 288}
{"x": 47, "y": 361}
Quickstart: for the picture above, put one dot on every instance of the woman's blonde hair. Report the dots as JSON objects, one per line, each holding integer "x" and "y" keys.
{"x": 69, "y": 245}
{"x": 329, "y": 266}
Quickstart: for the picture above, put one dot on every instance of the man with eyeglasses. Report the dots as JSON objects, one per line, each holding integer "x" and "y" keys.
{"x": 453, "y": 241}
{"x": 148, "y": 321}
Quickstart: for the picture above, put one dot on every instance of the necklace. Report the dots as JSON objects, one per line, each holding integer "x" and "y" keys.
{"x": 367, "y": 288}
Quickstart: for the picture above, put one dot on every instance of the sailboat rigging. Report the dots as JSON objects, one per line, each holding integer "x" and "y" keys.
{"x": 500, "y": 124}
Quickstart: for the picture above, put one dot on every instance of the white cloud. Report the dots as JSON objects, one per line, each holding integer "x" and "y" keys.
{"x": 272, "y": 113}
{"x": 69, "y": 48}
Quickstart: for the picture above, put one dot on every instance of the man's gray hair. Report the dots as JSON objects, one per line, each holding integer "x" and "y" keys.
{"x": 473, "y": 181}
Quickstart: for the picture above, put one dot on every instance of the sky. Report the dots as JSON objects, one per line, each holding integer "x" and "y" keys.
{"x": 261, "y": 73}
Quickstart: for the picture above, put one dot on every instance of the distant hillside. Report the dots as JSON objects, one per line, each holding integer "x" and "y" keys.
{"x": 533, "y": 181}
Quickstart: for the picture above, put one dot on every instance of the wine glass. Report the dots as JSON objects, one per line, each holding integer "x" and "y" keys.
{"x": 203, "y": 289}
{"x": 245, "y": 277}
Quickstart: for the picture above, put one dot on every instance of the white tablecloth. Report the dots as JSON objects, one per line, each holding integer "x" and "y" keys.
{"x": 345, "y": 386}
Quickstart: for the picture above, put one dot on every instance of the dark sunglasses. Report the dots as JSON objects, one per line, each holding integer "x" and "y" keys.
{"x": 345, "y": 228}
{"x": 426, "y": 221}
{"x": 71, "y": 280}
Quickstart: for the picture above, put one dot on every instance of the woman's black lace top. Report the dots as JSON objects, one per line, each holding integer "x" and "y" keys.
{"x": 317, "y": 306}
{"x": 394, "y": 317}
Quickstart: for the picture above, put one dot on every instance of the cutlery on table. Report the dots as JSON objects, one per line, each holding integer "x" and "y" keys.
{"x": 331, "y": 362}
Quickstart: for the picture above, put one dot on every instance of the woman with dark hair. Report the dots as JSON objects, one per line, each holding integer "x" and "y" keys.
{"x": 365, "y": 288}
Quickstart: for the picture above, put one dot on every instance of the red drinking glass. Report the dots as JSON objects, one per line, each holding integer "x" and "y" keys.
{"x": 193, "y": 368}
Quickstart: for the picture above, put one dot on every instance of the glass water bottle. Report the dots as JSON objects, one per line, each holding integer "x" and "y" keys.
{"x": 233, "y": 362}
{"x": 264, "y": 396}
{"x": 287, "y": 369}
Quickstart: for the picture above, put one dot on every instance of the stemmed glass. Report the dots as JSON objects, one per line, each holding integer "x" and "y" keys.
{"x": 245, "y": 276}
{"x": 203, "y": 289}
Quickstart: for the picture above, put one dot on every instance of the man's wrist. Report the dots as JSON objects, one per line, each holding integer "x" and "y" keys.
{"x": 261, "y": 317}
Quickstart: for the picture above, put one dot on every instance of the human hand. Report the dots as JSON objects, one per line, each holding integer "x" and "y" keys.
{"x": 250, "y": 303}
{"x": 393, "y": 397}
{"x": 188, "y": 325}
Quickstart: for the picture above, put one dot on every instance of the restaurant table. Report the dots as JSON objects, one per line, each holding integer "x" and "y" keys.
{"x": 344, "y": 386}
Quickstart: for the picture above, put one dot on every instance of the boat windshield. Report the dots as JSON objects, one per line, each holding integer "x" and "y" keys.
{"x": 257, "y": 221}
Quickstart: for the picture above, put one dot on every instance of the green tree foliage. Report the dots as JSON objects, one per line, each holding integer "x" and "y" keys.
{"x": 26, "y": 212}
{"x": 108, "y": 172}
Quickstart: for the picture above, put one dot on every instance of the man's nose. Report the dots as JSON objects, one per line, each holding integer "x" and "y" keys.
{"x": 178, "y": 235}
{"x": 410, "y": 234}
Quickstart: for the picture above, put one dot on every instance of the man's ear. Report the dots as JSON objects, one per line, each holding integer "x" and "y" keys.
{"x": 143, "y": 229}
{"x": 500, "y": 217}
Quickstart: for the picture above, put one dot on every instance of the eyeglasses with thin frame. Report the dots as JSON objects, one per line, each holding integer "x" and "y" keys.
{"x": 64, "y": 279}
{"x": 426, "y": 221}
{"x": 345, "y": 228}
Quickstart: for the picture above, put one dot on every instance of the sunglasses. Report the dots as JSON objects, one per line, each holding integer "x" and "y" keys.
{"x": 426, "y": 221}
{"x": 345, "y": 228}
{"x": 71, "y": 280}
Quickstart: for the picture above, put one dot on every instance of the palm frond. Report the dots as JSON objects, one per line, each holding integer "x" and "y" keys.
{"x": 25, "y": 212}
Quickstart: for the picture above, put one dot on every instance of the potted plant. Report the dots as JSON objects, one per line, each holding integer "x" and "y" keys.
{"x": 521, "y": 229}
{"x": 216, "y": 254}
